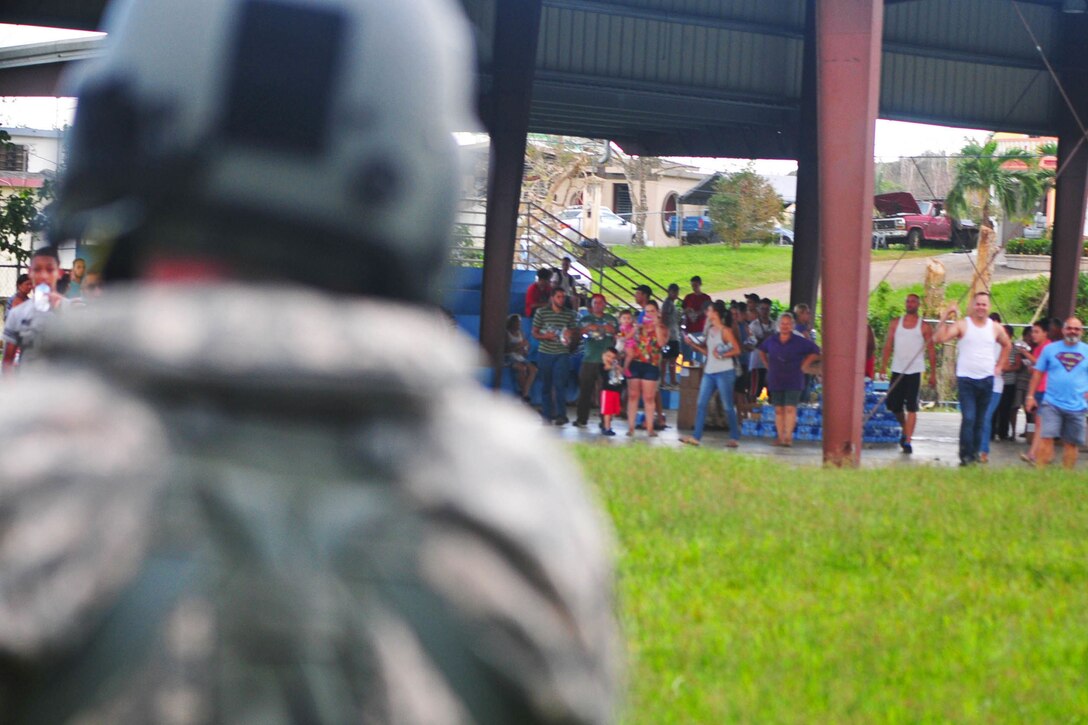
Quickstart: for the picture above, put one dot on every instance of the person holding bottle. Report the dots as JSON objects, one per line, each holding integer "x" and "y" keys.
{"x": 719, "y": 372}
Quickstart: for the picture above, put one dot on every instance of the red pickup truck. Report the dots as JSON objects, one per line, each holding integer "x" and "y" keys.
{"x": 904, "y": 219}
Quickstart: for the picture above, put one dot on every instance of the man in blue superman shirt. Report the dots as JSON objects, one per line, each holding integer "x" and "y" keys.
{"x": 1063, "y": 410}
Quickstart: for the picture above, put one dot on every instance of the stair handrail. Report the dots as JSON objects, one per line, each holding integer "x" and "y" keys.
{"x": 544, "y": 239}
{"x": 584, "y": 243}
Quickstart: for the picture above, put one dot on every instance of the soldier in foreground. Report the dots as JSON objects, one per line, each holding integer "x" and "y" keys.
{"x": 240, "y": 494}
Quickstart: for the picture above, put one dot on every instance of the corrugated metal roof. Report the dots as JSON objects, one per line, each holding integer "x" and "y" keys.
{"x": 720, "y": 77}
{"x": 723, "y": 77}
{"x": 700, "y": 75}
{"x": 969, "y": 62}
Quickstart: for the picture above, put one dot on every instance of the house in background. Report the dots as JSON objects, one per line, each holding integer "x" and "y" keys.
{"x": 31, "y": 157}
{"x": 664, "y": 187}
{"x": 35, "y": 151}
{"x": 668, "y": 181}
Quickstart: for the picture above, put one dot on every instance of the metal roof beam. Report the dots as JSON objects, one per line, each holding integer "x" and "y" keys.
{"x": 563, "y": 87}
{"x": 677, "y": 18}
{"x": 963, "y": 56}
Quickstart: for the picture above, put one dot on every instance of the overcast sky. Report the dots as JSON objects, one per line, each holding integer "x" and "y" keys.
{"x": 894, "y": 139}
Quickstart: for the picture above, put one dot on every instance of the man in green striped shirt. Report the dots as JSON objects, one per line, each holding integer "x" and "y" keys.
{"x": 554, "y": 326}
{"x": 598, "y": 328}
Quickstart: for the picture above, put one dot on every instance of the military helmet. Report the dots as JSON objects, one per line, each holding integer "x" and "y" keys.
{"x": 305, "y": 139}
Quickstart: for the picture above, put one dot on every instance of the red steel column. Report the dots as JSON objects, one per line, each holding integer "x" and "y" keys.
{"x": 848, "y": 72}
{"x": 1071, "y": 188}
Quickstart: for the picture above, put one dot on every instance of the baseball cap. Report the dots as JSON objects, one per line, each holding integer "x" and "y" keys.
{"x": 645, "y": 289}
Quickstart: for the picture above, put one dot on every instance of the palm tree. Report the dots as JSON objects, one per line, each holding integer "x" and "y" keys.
{"x": 1009, "y": 177}
{"x": 1046, "y": 177}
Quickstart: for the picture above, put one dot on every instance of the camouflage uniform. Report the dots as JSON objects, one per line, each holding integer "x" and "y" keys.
{"x": 243, "y": 504}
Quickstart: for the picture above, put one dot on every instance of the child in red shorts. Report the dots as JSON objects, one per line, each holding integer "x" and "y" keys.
{"x": 612, "y": 382}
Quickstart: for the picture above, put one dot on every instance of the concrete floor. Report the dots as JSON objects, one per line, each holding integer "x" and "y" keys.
{"x": 936, "y": 442}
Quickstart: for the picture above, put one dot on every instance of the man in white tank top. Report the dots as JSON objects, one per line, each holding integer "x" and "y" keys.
{"x": 976, "y": 366}
{"x": 909, "y": 336}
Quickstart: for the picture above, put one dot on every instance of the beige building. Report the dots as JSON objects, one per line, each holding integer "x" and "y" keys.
{"x": 663, "y": 188}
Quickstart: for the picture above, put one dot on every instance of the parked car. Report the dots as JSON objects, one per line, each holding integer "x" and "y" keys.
{"x": 907, "y": 220}
{"x": 611, "y": 228}
{"x": 1037, "y": 228}
{"x": 782, "y": 235}
{"x": 700, "y": 230}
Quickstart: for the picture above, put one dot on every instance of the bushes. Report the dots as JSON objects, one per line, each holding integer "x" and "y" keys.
{"x": 1030, "y": 292}
{"x": 1022, "y": 245}
{"x": 884, "y": 304}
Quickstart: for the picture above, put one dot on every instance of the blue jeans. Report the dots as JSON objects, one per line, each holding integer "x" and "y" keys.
{"x": 723, "y": 381}
{"x": 988, "y": 423}
{"x": 974, "y": 402}
{"x": 553, "y": 371}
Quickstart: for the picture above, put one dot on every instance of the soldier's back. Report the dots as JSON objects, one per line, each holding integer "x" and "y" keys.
{"x": 246, "y": 505}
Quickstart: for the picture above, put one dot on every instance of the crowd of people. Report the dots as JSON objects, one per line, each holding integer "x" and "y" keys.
{"x": 746, "y": 355}
{"x": 1046, "y": 373}
{"x": 742, "y": 353}
{"x": 41, "y": 293}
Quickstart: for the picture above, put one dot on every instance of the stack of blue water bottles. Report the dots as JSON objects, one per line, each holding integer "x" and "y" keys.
{"x": 881, "y": 426}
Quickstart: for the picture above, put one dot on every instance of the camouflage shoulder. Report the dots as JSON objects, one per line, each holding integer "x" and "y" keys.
{"x": 518, "y": 540}
{"x": 83, "y": 461}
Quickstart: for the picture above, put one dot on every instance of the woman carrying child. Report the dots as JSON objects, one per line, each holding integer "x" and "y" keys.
{"x": 719, "y": 372}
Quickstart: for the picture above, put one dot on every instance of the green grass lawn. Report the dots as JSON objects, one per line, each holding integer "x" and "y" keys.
{"x": 755, "y": 593}
{"x": 724, "y": 268}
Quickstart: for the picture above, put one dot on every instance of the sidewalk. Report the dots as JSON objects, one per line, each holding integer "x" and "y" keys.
{"x": 936, "y": 443}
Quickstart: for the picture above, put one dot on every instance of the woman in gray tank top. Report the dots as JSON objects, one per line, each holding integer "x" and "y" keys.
{"x": 719, "y": 373}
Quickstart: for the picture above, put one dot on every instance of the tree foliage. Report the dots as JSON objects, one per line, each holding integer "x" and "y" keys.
{"x": 554, "y": 164}
{"x": 1011, "y": 178}
{"x": 744, "y": 207}
{"x": 984, "y": 174}
{"x": 1046, "y": 177}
